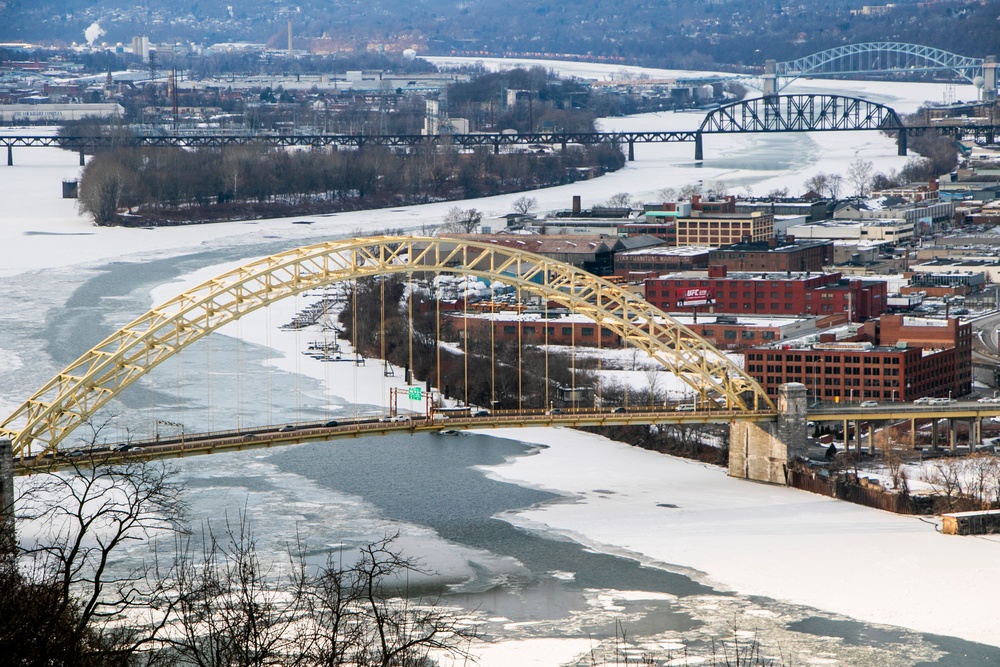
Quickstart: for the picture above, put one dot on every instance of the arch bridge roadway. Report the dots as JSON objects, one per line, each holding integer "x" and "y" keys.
{"x": 723, "y": 392}
{"x": 195, "y": 444}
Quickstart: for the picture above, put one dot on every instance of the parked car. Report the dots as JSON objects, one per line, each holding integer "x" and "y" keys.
{"x": 869, "y": 404}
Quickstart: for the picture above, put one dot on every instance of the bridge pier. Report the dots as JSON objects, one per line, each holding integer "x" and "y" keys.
{"x": 989, "y": 78}
{"x": 770, "y": 86}
{"x": 901, "y": 142}
{"x": 10, "y": 156}
{"x": 760, "y": 452}
{"x": 631, "y": 150}
{"x": 83, "y": 159}
{"x": 8, "y": 538}
{"x": 699, "y": 147}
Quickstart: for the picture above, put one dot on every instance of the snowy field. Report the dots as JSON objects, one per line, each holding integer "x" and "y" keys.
{"x": 742, "y": 536}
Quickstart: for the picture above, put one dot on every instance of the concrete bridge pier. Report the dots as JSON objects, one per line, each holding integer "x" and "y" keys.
{"x": 699, "y": 147}
{"x": 989, "y": 78}
{"x": 631, "y": 150}
{"x": 770, "y": 78}
{"x": 901, "y": 142}
{"x": 760, "y": 452}
{"x": 10, "y": 156}
{"x": 8, "y": 539}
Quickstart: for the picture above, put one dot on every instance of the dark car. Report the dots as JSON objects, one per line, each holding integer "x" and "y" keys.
{"x": 481, "y": 413}
{"x": 619, "y": 409}
{"x": 332, "y": 423}
{"x": 286, "y": 429}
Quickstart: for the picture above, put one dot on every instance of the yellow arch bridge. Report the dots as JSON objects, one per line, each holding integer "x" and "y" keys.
{"x": 724, "y": 392}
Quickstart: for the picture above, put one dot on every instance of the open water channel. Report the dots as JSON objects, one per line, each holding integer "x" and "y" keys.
{"x": 430, "y": 489}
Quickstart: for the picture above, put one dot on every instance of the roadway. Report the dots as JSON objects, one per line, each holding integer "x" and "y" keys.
{"x": 297, "y": 433}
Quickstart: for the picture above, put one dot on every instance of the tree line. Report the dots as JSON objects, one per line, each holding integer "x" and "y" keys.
{"x": 157, "y": 186}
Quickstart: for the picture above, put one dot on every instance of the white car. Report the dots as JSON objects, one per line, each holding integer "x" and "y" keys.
{"x": 923, "y": 401}
{"x": 987, "y": 399}
{"x": 869, "y": 404}
{"x": 942, "y": 401}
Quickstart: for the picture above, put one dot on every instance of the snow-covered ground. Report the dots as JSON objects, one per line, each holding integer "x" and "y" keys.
{"x": 747, "y": 537}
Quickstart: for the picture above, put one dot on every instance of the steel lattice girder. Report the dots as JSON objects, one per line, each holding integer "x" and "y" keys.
{"x": 74, "y": 395}
{"x": 800, "y": 113}
{"x": 934, "y": 59}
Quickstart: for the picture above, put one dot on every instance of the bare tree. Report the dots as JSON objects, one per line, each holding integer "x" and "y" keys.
{"x": 778, "y": 193}
{"x": 462, "y": 221}
{"x": 525, "y": 205}
{"x": 834, "y": 185}
{"x": 688, "y": 191}
{"x": 860, "y": 173}
{"x": 619, "y": 200}
{"x": 666, "y": 194}
{"x": 716, "y": 190}
{"x": 73, "y": 526}
{"x": 818, "y": 183}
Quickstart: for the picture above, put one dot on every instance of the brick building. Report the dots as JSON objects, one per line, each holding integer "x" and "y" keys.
{"x": 652, "y": 262}
{"x": 774, "y": 255}
{"x": 720, "y": 229}
{"x": 786, "y": 293}
{"x": 534, "y": 328}
{"x": 896, "y": 358}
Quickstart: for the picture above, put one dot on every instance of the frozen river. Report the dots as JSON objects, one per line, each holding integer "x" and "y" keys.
{"x": 589, "y": 532}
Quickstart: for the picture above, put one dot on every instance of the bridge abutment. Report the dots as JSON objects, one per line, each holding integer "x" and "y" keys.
{"x": 760, "y": 452}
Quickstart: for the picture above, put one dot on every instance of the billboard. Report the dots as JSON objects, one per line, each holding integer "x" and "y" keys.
{"x": 695, "y": 297}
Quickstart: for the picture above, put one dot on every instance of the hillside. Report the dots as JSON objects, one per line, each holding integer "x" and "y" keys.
{"x": 662, "y": 32}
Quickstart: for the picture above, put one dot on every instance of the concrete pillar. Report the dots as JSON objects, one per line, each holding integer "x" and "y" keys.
{"x": 913, "y": 433}
{"x": 934, "y": 434}
{"x": 699, "y": 147}
{"x": 951, "y": 435}
{"x": 989, "y": 78}
{"x": 496, "y": 147}
{"x": 770, "y": 78}
{"x": 975, "y": 434}
{"x": 857, "y": 436}
{"x": 871, "y": 438}
{"x": 901, "y": 142}
{"x": 631, "y": 150}
{"x": 847, "y": 437}
{"x": 10, "y": 156}
{"x": 761, "y": 451}
{"x": 8, "y": 539}
{"x": 83, "y": 159}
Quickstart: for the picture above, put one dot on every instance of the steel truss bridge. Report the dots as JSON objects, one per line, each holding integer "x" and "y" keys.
{"x": 723, "y": 392}
{"x": 776, "y": 113}
{"x": 881, "y": 58}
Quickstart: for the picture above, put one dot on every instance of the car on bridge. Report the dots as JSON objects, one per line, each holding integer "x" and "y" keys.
{"x": 869, "y": 404}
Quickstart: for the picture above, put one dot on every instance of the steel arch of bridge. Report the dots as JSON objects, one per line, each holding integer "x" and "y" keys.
{"x": 879, "y": 57}
{"x": 75, "y": 394}
{"x": 800, "y": 113}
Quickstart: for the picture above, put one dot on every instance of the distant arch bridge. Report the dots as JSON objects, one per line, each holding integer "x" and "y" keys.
{"x": 880, "y": 58}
